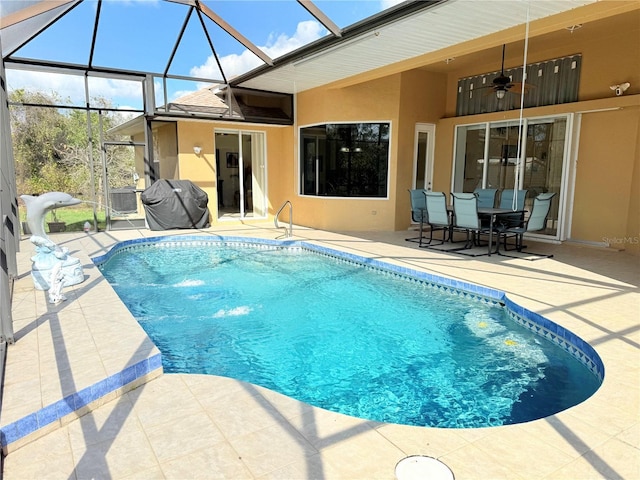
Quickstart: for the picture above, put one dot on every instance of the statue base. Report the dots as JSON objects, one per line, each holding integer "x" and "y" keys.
{"x": 71, "y": 271}
{"x": 51, "y": 259}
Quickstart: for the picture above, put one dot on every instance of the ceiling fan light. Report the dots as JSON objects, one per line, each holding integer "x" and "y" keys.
{"x": 500, "y": 94}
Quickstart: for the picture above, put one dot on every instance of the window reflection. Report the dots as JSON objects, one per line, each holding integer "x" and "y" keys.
{"x": 345, "y": 160}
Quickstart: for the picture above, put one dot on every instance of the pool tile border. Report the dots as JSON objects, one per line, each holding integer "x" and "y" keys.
{"x": 535, "y": 322}
{"x": 37, "y": 422}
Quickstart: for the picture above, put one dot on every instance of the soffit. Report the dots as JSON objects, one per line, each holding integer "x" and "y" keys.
{"x": 437, "y": 28}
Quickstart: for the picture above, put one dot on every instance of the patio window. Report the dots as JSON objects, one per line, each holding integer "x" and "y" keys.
{"x": 345, "y": 159}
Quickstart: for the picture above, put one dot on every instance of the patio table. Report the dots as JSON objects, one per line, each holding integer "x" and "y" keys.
{"x": 493, "y": 214}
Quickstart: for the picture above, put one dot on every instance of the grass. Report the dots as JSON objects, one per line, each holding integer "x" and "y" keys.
{"x": 73, "y": 217}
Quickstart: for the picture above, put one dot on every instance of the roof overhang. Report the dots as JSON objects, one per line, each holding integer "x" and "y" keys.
{"x": 411, "y": 32}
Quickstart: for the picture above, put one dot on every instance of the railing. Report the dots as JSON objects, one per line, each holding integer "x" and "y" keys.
{"x": 287, "y": 233}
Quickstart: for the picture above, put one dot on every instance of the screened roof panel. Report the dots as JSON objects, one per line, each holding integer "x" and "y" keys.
{"x": 194, "y": 48}
{"x": 276, "y": 27}
{"x": 68, "y": 40}
{"x": 136, "y": 35}
{"x": 14, "y": 35}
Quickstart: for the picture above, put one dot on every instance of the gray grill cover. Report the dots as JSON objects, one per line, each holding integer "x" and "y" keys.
{"x": 173, "y": 204}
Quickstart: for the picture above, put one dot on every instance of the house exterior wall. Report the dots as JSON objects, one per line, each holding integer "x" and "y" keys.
{"x": 609, "y": 57}
{"x": 607, "y": 191}
{"x": 608, "y": 162}
{"x": 201, "y": 169}
{"x": 419, "y": 96}
{"x": 605, "y": 204}
{"x": 378, "y": 100}
{"x": 421, "y": 101}
{"x": 167, "y": 149}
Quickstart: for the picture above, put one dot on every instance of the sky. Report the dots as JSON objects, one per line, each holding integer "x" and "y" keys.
{"x": 141, "y": 35}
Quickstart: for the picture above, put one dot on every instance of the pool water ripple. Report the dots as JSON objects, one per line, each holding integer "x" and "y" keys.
{"x": 343, "y": 337}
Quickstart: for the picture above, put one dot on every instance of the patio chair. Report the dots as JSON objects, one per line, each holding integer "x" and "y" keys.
{"x": 537, "y": 221}
{"x": 466, "y": 217}
{"x": 507, "y": 201}
{"x": 418, "y": 212}
{"x": 486, "y": 197}
{"x": 438, "y": 217}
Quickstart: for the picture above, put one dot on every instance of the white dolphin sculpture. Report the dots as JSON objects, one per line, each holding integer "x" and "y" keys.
{"x": 37, "y": 208}
{"x": 52, "y": 266}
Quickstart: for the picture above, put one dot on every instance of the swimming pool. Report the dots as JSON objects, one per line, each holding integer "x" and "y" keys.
{"x": 349, "y": 334}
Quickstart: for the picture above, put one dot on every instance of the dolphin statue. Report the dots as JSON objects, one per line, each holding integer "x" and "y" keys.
{"x": 37, "y": 208}
{"x": 52, "y": 266}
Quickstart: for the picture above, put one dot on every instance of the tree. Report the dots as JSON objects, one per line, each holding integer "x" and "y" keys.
{"x": 38, "y": 140}
{"x": 52, "y": 148}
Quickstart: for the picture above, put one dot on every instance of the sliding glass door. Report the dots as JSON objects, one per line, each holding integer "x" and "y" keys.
{"x": 505, "y": 155}
{"x": 241, "y": 172}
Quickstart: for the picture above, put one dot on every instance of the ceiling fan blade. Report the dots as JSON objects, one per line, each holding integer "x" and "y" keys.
{"x": 520, "y": 87}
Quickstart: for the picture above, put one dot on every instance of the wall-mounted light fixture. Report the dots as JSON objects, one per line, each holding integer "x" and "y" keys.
{"x": 620, "y": 89}
{"x": 197, "y": 150}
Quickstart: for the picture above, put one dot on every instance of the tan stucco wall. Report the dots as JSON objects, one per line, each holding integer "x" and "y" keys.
{"x": 202, "y": 169}
{"x": 378, "y": 100}
{"x": 609, "y": 58}
{"x": 166, "y": 150}
{"x": 404, "y": 99}
{"x": 421, "y": 101}
{"x": 633, "y": 219}
{"x": 606, "y": 193}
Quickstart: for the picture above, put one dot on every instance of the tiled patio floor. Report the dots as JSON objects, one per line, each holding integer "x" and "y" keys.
{"x": 197, "y": 426}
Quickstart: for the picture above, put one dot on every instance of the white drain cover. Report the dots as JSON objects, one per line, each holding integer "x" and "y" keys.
{"x": 420, "y": 467}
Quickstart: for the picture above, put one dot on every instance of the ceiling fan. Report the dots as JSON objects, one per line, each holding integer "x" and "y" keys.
{"x": 503, "y": 84}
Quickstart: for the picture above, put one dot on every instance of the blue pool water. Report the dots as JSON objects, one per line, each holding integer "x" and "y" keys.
{"x": 343, "y": 337}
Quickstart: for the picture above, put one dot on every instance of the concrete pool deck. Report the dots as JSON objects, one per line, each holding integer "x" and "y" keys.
{"x": 197, "y": 426}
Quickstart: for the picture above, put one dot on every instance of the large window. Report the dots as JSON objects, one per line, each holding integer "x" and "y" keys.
{"x": 344, "y": 159}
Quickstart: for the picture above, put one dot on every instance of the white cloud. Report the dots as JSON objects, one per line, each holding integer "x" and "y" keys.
{"x": 72, "y": 86}
{"x": 234, "y": 65}
{"x": 384, "y": 4}
{"x": 65, "y": 85}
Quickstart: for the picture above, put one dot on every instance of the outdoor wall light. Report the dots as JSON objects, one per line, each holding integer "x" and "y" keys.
{"x": 620, "y": 89}
{"x": 197, "y": 150}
